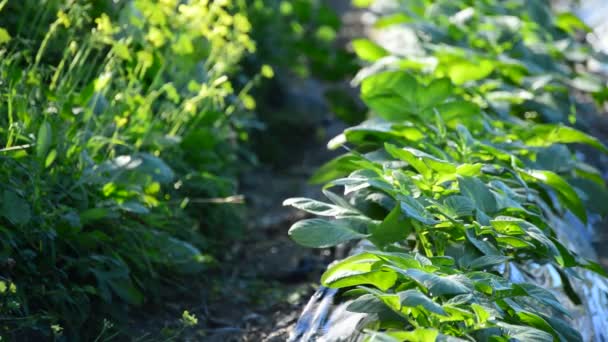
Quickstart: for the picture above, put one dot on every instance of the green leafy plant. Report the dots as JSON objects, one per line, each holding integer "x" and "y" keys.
{"x": 120, "y": 131}
{"x": 301, "y": 40}
{"x": 300, "y": 36}
{"x": 451, "y": 193}
{"x": 517, "y": 58}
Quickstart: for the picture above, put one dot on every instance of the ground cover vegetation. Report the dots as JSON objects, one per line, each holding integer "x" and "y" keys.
{"x": 125, "y": 127}
{"x": 461, "y": 174}
{"x": 122, "y": 131}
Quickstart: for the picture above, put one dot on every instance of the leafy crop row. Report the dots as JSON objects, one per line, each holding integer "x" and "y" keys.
{"x": 458, "y": 181}
{"x": 120, "y": 128}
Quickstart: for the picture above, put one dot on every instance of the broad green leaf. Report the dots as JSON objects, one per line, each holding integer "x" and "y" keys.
{"x": 156, "y": 167}
{"x": 438, "y": 285}
{"x": 411, "y": 208}
{"x": 318, "y": 207}
{"x": 556, "y": 158}
{"x": 463, "y": 71}
{"x": 523, "y": 333}
{"x": 383, "y": 280}
{"x": 417, "y": 335}
{"x": 588, "y": 83}
{"x": 594, "y": 196}
{"x": 593, "y": 266}
{"x": 407, "y": 156}
{"x": 487, "y": 261}
{"x": 15, "y": 208}
{"x": 134, "y": 207}
{"x": 515, "y": 226}
{"x": 393, "y": 19}
{"x": 536, "y": 321}
{"x": 378, "y": 130}
{"x": 513, "y": 242}
{"x": 321, "y": 233}
{"x": 358, "y": 270}
{"x": 93, "y": 214}
{"x": 339, "y": 201}
{"x": 390, "y": 94}
{"x": 478, "y": 192}
{"x": 50, "y": 158}
{"x": 414, "y": 298}
{"x": 547, "y": 134}
{"x": 563, "y": 328}
{"x": 458, "y": 206}
{"x": 481, "y": 313}
{"x": 570, "y": 23}
{"x": 44, "y": 139}
{"x": 362, "y": 3}
{"x": 456, "y": 112}
{"x": 368, "y": 50}
{"x": 434, "y": 94}
{"x": 125, "y": 289}
{"x": 353, "y": 265}
{"x": 130, "y": 167}
{"x": 391, "y": 300}
{"x": 508, "y": 225}
{"x": 367, "y": 303}
{"x": 565, "y": 192}
{"x": 566, "y": 259}
{"x": 544, "y": 296}
{"x": 436, "y": 164}
{"x": 469, "y": 170}
{"x": 483, "y": 246}
{"x": 393, "y": 229}
{"x": 335, "y": 168}
{"x": 404, "y": 261}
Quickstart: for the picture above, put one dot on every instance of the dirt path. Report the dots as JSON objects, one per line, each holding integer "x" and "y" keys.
{"x": 264, "y": 279}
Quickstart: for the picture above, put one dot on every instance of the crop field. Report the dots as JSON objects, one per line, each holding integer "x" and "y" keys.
{"x": 302, "y": 170}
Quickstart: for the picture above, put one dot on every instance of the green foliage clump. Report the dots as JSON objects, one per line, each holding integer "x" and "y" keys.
{"x": 455, "y": 183}
{"x": 300, "y": 36}
{"x": 120, "y": 128}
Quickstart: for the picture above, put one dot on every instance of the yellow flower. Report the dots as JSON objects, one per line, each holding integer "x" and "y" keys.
{"x": 57, "y": 329}
{"x": 169, "y": 3}
{"x": 156, "y": 37}
{"x": 248, "y": 102}
{"x": 145, "y": 59}
{"x": 104, "y": 25}
{"x": 63, "y": 19}
{"x": 188, "y": 319}
{"x": 223, "y": 3}
{"x": 241, "y": 23}
{"x": 267, "y": 71}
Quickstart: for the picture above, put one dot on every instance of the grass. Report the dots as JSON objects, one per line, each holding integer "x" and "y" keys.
{"x": 121, "y": 123}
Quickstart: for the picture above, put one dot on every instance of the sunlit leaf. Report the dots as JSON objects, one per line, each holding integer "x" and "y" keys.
{"x": 368, "y": 50}
{"x": 320, "y": 233}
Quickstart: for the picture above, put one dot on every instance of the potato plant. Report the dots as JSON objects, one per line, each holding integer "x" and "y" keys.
{"x": 460, "y": 176}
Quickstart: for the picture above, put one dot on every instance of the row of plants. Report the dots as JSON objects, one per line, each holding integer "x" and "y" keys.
{"x": 121, "y": 128}
{"x": 300, "y": 39}
{"x": 462, "y": 174}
